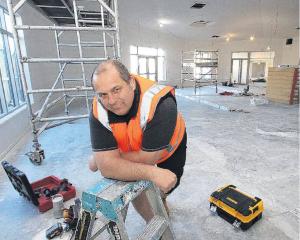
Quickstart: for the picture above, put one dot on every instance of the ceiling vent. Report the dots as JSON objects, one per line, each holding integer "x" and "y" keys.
{"x": 198, "y": 5}
{"x": 215, "y": 36}
{"x": 201, "y": 23}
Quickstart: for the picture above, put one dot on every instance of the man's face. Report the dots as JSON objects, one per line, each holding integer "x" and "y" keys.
{"x": 115, "y": 94}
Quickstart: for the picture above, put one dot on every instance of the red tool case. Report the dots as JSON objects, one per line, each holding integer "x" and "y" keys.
{"x": 39, "y": 192}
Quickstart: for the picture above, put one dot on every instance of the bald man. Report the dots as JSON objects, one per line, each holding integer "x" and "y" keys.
{"x": 136, "y": 131}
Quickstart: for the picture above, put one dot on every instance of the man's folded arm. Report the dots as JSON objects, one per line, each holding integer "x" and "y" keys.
{"x": 141, "y": 156}
{"x": 112, "y": 165}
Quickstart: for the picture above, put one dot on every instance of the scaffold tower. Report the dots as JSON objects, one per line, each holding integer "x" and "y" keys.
{"x": 88, "y": 27}
{"x": 200, "y": 68}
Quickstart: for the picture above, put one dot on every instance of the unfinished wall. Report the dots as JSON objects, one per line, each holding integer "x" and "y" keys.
{"x": 290, "y": 53}
{"x": 133, "y": 34}
{"x": 284, "y": 54}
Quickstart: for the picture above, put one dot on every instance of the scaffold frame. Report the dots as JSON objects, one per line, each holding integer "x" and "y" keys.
{"x": 199, "y": 67}
{"x": 72, "y": 19}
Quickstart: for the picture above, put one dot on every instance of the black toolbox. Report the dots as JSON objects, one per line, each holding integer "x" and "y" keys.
{"x": 39, "y": 192}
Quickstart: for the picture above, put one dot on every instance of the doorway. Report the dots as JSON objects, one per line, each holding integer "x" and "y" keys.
{"x": 239, "y": 71}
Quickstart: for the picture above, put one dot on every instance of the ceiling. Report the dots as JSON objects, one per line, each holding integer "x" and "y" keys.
{"x": 237, "y": 19}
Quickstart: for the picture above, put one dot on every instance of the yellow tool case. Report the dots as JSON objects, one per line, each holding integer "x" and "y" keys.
{"x": 236, "y": 207}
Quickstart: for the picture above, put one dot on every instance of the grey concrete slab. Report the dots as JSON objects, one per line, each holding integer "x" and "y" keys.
{"x": 257, "y": 151}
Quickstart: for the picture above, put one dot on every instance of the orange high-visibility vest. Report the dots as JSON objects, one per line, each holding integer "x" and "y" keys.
{"x": 129, "y": 136}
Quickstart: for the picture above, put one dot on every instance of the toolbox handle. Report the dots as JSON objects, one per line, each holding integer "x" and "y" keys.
{"x": 255, "y": 209}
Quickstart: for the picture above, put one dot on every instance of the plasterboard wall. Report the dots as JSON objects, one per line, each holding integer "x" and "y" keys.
{"x": 290, "y": 53}
{"x": 138, "y": 36}
{"x": 284, "y": 54}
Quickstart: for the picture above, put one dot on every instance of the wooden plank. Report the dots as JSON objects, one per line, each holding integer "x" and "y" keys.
{"x": 286, "y": 98}
{"x": 278, "y": 94}
{"x": 276, "y": 69}
{"x": 279, "y": 84}
{"x": 279, "y": 100}
{"x": 275, "y": 75}
{"x": 278, "y": 80}
{"x": 280, "y": 76}
{"x": 278, "y": 89}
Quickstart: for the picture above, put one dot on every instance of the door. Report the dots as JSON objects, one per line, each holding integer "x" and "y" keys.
{"x": 239, "y": 71}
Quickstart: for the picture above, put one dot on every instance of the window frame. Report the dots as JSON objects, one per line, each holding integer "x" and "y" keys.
{"x": 10, "y": 63}
{"x": 160, "y": 53}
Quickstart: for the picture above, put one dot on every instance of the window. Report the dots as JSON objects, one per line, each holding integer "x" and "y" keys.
{"x": 148, "y": 62}
{"x": 11, "y": 91}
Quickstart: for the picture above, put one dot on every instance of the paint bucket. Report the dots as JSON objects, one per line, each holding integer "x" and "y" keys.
{"x": 58, "y": 205}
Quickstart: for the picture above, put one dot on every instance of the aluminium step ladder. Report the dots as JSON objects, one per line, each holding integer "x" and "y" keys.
{"x": 104, "y": 208}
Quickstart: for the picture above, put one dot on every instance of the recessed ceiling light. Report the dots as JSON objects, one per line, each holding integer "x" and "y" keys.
{"x": 198, "y": 5}
{"x": 268, "y": 48}
{"x": 161, "y": 25}
{"x": 227, "y": 39}
{"x": 164, "y": 21}
{"x": 251, "y": 38}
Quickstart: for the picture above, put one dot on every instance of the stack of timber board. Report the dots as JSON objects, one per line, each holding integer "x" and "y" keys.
{"x": 283, "y": 85}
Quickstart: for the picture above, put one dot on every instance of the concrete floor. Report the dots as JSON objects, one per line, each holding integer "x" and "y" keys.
{"x": 256, "y": 149}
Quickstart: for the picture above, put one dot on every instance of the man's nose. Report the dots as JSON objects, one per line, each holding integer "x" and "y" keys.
{"x": 112, "y": 99}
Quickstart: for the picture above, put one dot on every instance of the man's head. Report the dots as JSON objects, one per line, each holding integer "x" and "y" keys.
{"x": 114, "y": 86}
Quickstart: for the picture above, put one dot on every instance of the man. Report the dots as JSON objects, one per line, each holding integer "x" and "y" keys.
{"x": 136, "y": 131}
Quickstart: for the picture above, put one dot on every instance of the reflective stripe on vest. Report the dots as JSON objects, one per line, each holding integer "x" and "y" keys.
{"x": 103, "y": 116}
{"x": 175, "y": 140}
{"x": 146, "y": 103}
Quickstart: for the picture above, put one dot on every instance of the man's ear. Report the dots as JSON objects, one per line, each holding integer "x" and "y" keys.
{"x": 132, "y": 82}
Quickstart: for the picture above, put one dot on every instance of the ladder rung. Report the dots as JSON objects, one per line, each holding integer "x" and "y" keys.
{"x": 49, "y": 6}
{"x": 90, "y": 21}
{"x": 62, "y": 60}
{"x": 61, "y": 17}
{"x": 154, "y": 229}
{"x": 72, "y": 79}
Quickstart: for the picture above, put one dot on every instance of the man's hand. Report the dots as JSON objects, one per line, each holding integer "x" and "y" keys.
{"x": 164, "y": 179}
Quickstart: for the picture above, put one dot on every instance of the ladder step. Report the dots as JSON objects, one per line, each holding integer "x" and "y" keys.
{"x": 154, "y": 229}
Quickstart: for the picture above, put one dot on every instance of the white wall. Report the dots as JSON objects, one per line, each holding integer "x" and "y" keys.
{"x": 283, "y": 54}
{"x": 138, "y": 36}
{"x": 290, "y": 53}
